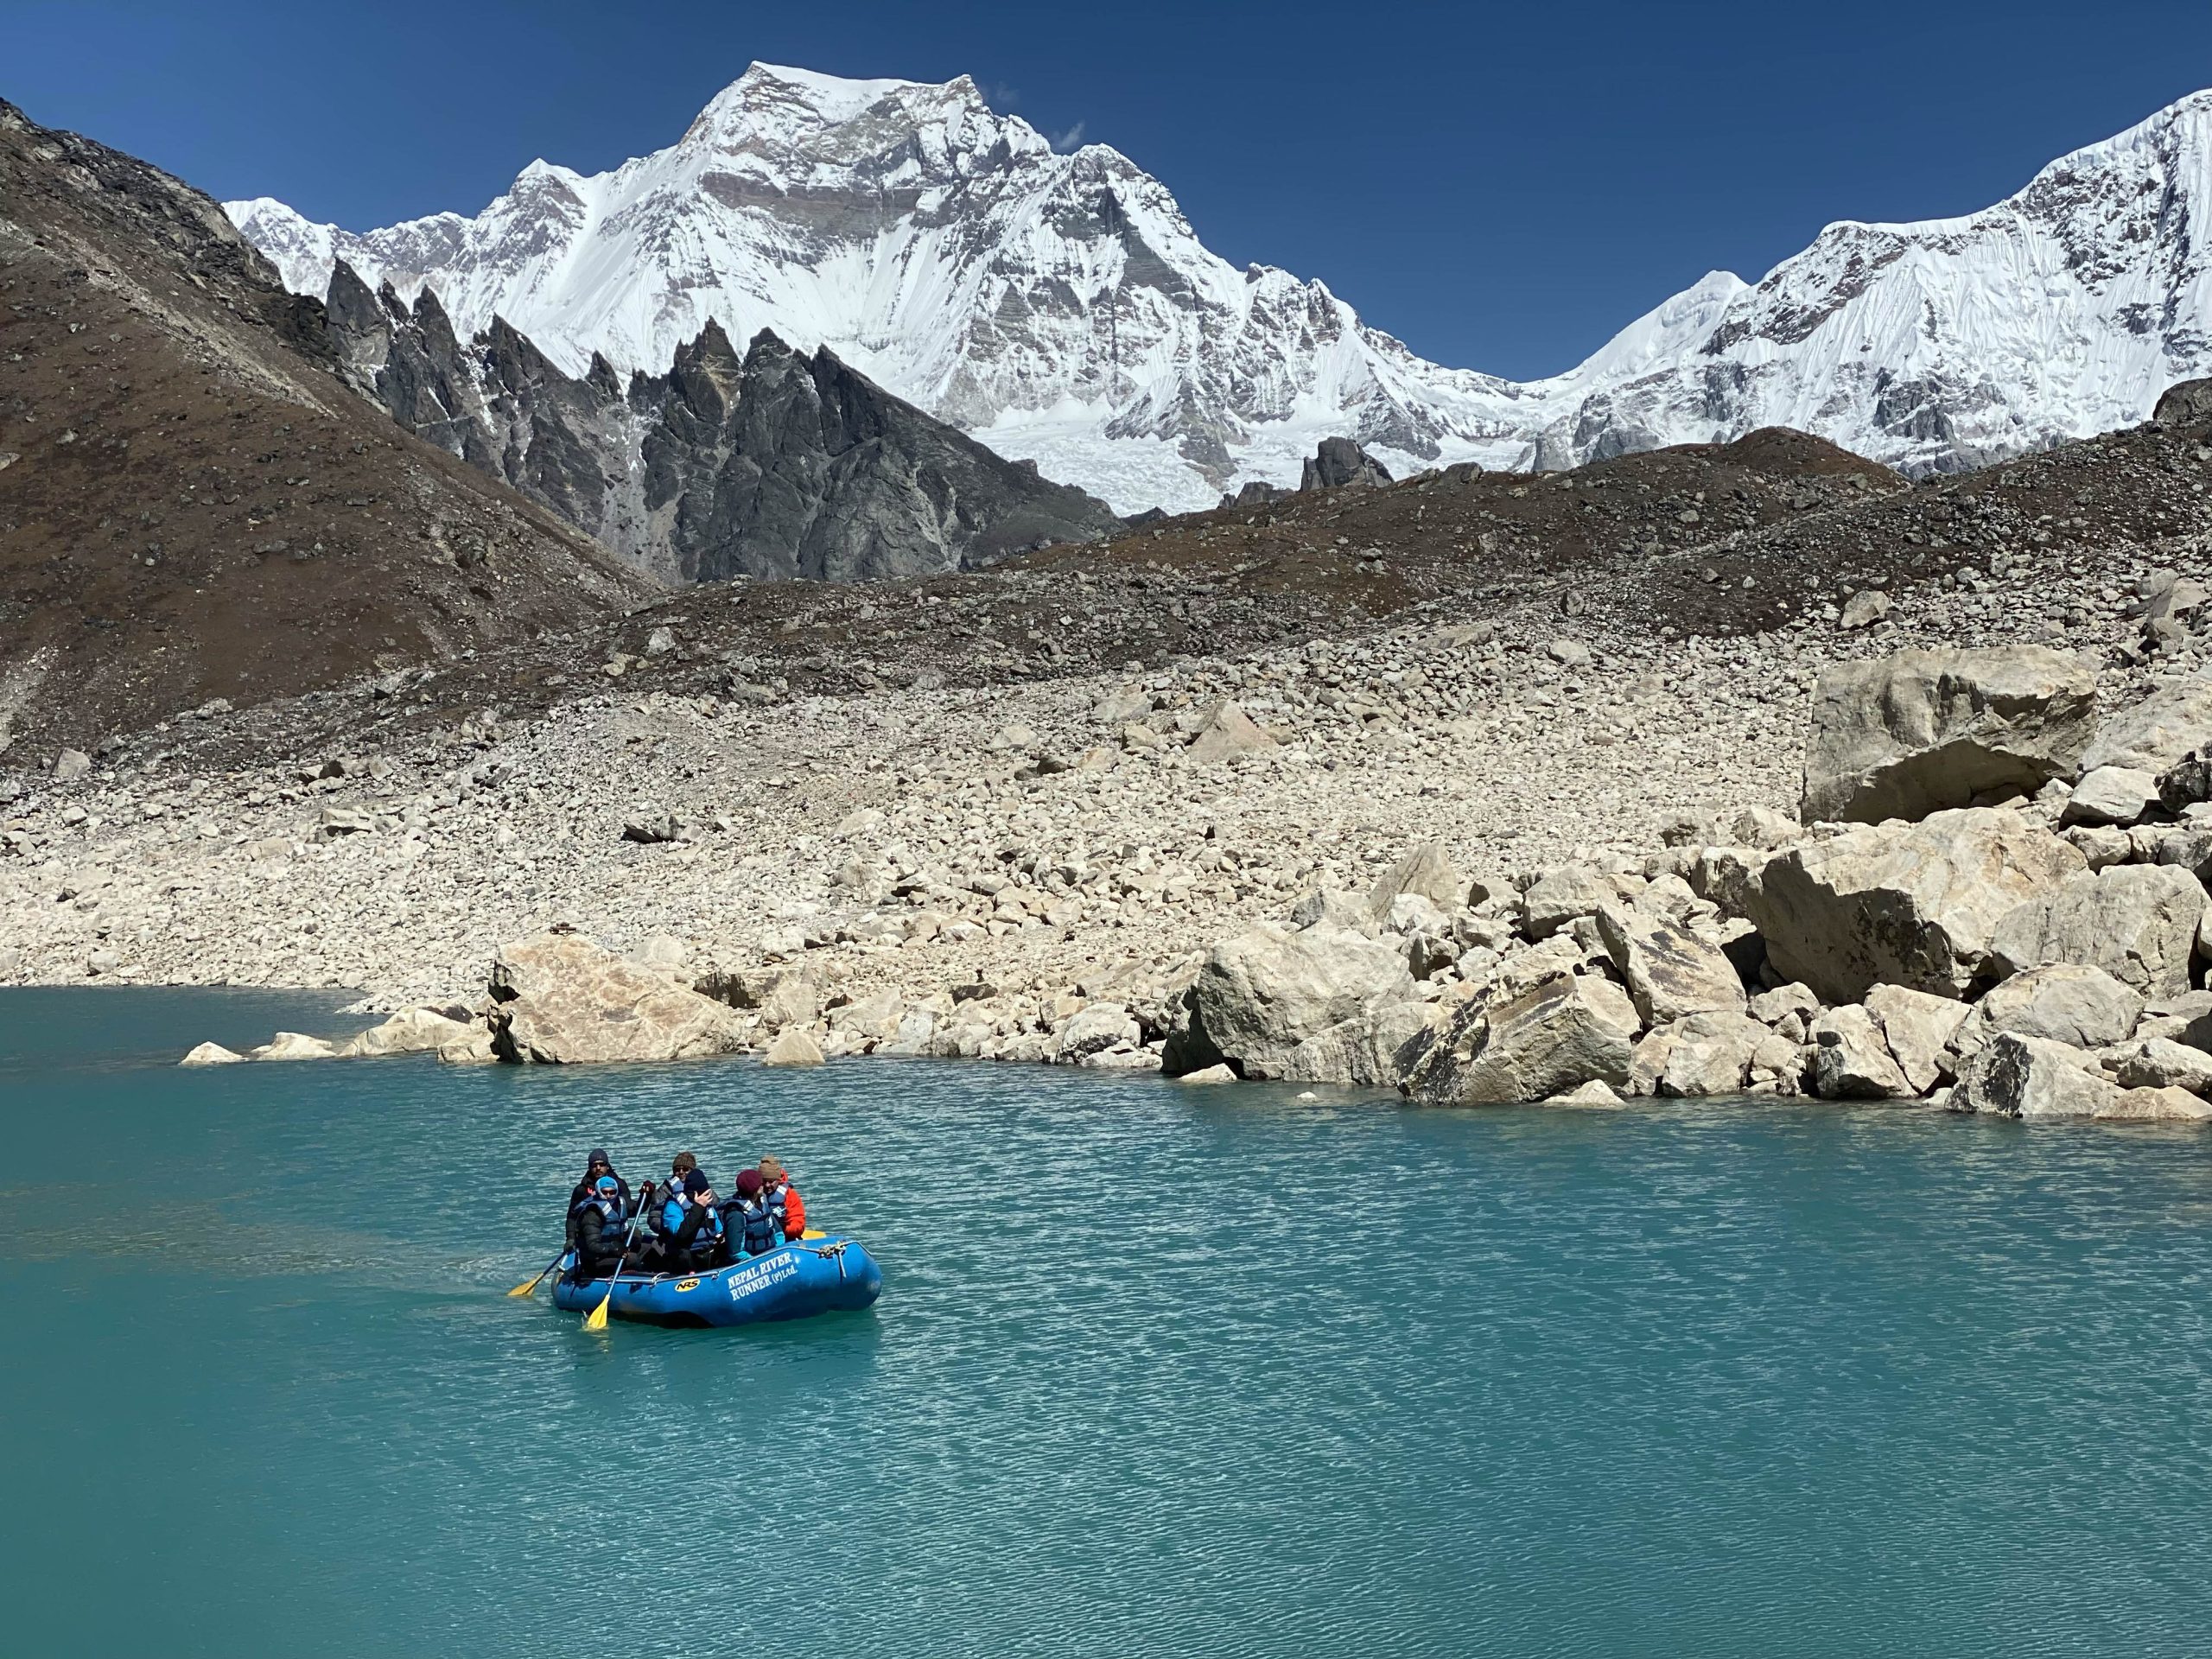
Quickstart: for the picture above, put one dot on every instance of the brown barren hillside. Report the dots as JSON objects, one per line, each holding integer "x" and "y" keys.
{"x": 192, "y": 505}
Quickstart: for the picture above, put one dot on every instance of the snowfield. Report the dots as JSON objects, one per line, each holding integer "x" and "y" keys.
{"x": 1062, "y": 309}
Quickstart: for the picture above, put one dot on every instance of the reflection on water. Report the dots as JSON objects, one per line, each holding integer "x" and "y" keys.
{"x": 1214, "y": 1371}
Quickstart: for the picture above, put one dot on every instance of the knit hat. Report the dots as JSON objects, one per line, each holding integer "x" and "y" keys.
{"x": 598, "y": 1155}
{"x": 682, "y": 1162}
{"x": 748, "y": 1183}
{"x": 695, "y": 1182}
{"x": 771, "y": 1169}
{"x": 608, "y": 1184}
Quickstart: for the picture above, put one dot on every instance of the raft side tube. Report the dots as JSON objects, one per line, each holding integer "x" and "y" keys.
{"x": 795, "y": 1280}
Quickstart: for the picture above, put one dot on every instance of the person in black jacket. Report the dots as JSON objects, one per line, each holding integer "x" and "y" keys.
{"x": 596, "y": 1165}
{"x": 602, "y": 1224}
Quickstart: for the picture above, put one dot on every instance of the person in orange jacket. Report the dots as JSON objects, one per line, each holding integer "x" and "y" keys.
{"x": 784, "y": 1201}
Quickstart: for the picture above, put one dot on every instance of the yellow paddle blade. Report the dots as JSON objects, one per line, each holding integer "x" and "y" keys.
{"x": 596, "y": 1319}
{"x": 814, "y": 1232}
{"x": 525, "y": 1288}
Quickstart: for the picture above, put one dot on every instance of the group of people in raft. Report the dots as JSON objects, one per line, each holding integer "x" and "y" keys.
{"x": 680, "y": 1226}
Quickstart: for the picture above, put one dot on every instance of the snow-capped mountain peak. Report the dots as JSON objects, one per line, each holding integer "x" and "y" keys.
{"x": 1061, "y": 307}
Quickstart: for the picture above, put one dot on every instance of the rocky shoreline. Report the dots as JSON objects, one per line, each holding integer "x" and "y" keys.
{"x": 1423, "y": 861}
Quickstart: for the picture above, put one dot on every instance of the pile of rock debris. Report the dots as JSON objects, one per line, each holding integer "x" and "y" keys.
{"x": 1998, "y": 903}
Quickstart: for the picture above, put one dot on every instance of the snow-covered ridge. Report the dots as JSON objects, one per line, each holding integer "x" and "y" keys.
{"x": 1062, "y": 308}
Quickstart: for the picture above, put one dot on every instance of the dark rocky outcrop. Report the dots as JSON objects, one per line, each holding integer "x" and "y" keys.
{"x": 1340, "y": 462}
{"x": 1256, "y": 494}
{"x": 2185, "y": 402}
{"x": 776, "y": 464}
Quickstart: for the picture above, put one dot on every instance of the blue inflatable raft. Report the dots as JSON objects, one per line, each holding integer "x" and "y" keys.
{"x": 815, "y": 1276}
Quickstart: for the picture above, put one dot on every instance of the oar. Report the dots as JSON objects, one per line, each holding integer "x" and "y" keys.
{"x": 596, "y": 1319}
{"x": 525, "y": 1288}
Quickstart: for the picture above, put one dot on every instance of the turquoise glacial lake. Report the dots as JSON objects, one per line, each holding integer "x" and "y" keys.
{"x": 1156, "y": 1371}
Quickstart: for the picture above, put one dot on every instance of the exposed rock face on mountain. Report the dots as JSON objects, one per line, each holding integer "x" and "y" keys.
{"x": 1062, "y": 308}
{"x": 193, "y": 506}
{"x": 2186, "y": 402}
{"x": 778, "y": 464}
{"x": 1340, "y": 462}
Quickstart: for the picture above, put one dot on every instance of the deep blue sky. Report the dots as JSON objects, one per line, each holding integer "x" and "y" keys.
{"x": 1501, "y": 185}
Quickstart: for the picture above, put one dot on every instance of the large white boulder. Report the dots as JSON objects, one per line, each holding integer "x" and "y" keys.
{"x": 1912, "y": 905}
{"x": 2014, "y": 1076}
{"x": 1591, "y": 1096}
{"x": 873, "y": 1018}
{"x": 1096, "y": 1028}
{"x": 2138, "y": 922}
{"x": 1905, "y": 735}
{"x": 294, "y": 1045}
{"x": 2084, "y": 1008}
{"x": 2151, "y": 736}
{"x": 1852, "y": 1060}
{"x": 1720, "y": 1052}
{"x": 1558, "y": 897}
{"x": 792, "y": 999}
{"x": 2167, "y": 1105}
{"x": 475, "y": 1049}
{"x": 1669, "y": 971}
{"x": 1372, "y": 1050}
{"x": 1427, "y": 872}
{"x": 1262, "y": 994}
{"x": 2111, "y": 795}
{"x": 411, "y": 1031}
{"x": 794, "y": 1046}
{"x": 1228, "y": 733}
{"x": 561, "y": 999}
{"x": 1919, "y": 1030}
{"x": 2161, "y": 1063}
{"x": 1546, "y": 1040}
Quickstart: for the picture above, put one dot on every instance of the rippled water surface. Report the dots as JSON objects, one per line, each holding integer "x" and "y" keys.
{"x": 1155, "y": 1370}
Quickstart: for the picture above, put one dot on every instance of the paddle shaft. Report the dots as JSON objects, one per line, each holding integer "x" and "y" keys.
{"x": 599, "y": 1314}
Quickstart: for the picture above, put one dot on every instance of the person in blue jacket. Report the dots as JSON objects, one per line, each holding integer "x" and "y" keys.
{"x": 672, "y": 1191}
{"x": 690, "y": 1225}
{"x": 748, "y": 1219}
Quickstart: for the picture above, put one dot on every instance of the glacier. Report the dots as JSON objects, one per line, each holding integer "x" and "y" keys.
{"x": 1060, "y": 308}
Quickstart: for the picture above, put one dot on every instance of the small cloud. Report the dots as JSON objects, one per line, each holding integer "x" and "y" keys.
{"x": 1070, "y": 139}
{"x": 1000, "y": 95}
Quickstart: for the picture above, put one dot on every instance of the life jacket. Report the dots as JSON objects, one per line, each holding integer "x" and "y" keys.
{"x": 752, "y": 1230}
{"x": 788, "y": 1209}
{"x": 613, "y": 1224}
{"x": 612, "y": 1214}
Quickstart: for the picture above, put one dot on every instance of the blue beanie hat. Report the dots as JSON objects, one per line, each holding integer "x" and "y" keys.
{"x": 608, "y": 1184}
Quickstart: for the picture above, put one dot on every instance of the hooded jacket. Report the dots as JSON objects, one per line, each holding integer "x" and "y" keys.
{"x": 601, "y": 1226}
